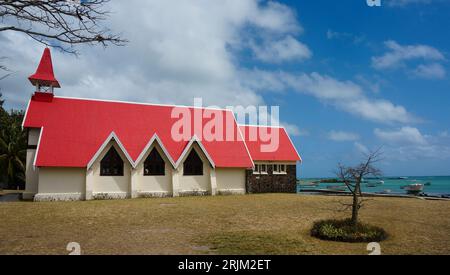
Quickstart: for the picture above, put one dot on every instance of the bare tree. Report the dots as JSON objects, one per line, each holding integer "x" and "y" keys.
{"x": 353, "y": 176}
{"x": 59, "y": 23}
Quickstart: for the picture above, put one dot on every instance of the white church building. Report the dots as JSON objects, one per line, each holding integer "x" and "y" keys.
{"x": 83, "y": 149}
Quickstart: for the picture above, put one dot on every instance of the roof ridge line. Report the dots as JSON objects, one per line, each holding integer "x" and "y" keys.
{"x": 142, "y": 103}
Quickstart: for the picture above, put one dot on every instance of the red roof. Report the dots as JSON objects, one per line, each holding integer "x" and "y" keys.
{"x": 256, "y": 137}
{"x": 75, "y": 129}
{"x": 44, "y": 73}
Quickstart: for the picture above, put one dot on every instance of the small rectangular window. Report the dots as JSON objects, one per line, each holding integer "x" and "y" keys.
{"x": 263, "y": 169}
{"x": 276, "y": 168}
{"x": 256, "y": 169}
{"x": 279, "y": 169}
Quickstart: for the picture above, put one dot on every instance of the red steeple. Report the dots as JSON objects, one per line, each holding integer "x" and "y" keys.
{"x": 44, "y": 74}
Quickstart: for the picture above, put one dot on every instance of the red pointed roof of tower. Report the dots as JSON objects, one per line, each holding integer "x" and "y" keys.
{"x": 44, "y": 73}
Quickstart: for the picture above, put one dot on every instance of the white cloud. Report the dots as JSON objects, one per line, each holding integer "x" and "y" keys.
{"x": 361, "y": 148}
{"x": 287, "y": 49}
{"x": 342, "y": 136}
{"x": 398, "y": 54}
{"x": 379, "y": 110}
{"x": 444, "y": 134}
{"x": 332, "y": 34}
{"x": 178, "y": 50}
{"x": 418, "y": 152}
{"x": 409, "y": 144}
{"x": 345, "y": 36}
{"x": 294, "y": 130}
{"x": 432, "y": 71}
{"x": 405, "y": 135}
{"x": 373, "y": 83}
{"x": 344, "y": 95}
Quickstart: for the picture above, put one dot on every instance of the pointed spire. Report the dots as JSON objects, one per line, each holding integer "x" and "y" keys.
{"x": 44, "y": 74}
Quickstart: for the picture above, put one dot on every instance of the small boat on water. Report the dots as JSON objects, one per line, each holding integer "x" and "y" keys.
{"x": 414, "y": 188}
{"x": 403, "y": 178}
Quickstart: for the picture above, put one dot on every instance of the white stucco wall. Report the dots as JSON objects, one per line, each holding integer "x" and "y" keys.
{"x": 31, "y": 172}
{"x": 230, "y": 180}
{"x": 195, "y": 183}
{"x": 117, "y": 186}
{"x": 33, "y": 136}
{"x": 61, "y": 180}
{"x": 153, "y": 185}
{"x": 31, "y": 176}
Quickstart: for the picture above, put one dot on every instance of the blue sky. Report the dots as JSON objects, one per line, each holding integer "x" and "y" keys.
{"x": 356, "y": 33}
{"x": 348, "y": 78}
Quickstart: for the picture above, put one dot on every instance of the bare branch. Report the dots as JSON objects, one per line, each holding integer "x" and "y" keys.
{"x": 59, "y": 23}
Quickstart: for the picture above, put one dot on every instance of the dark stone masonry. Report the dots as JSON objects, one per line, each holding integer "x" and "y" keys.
{"x": 272, "y": 183}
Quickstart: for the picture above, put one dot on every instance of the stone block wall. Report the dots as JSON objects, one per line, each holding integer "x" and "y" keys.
{"x": 272, "y": 183}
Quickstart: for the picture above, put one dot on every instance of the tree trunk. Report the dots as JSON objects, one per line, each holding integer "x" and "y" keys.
{"x": 355, "y": 205}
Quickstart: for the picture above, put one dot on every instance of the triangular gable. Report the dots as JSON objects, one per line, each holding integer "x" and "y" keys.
{"x": 111, "y": 137}
{"x": 154, "y": 139}
{"x": 188, "y": 147}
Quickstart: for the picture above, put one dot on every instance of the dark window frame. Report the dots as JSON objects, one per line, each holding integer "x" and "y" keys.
{"x": 154, "y": 164}
{"x": 257, "y": 169}
{"x": 276, "y": 168}
{"x": 193, "y": 165}
{"x": 263, "y": 170}
{"x": 112, "y": 164}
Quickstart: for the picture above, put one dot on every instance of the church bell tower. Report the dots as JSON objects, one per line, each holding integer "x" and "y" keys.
{"x": 44, "y": 79}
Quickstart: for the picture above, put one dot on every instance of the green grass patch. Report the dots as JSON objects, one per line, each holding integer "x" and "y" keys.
{"x": 254, "y": 243}
{"x": 344, "y": 231}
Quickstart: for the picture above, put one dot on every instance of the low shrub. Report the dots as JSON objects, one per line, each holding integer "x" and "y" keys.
{"x": 344, "y": 231}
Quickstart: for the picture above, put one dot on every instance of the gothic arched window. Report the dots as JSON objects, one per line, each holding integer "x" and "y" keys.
{"x": 193, "y": 165}
{"x": 154, "y": 164}
{"x": 111, "y": 164}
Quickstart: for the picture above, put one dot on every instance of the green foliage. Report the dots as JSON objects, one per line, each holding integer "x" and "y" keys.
{"x": 13, "y": 144}
{"x": 344, "y": 231}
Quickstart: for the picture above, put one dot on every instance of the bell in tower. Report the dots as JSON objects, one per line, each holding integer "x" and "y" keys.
{"x": 44, "y": 79}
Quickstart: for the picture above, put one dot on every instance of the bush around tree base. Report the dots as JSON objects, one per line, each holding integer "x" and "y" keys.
{"x": 344, "y": 231}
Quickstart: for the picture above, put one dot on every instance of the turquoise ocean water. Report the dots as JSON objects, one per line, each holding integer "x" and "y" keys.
{"x": 435, "y": 185}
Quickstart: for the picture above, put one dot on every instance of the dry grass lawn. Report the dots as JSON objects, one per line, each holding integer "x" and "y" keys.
{"x": 252, "y": 224}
